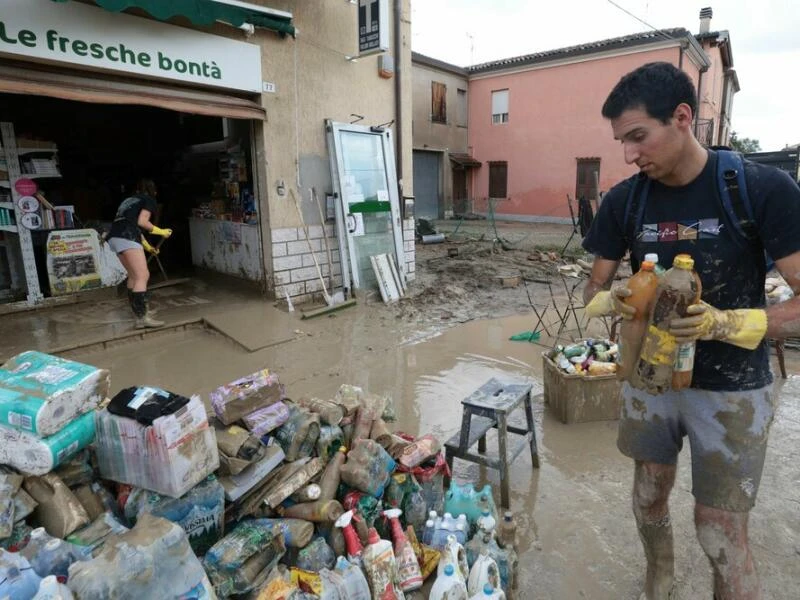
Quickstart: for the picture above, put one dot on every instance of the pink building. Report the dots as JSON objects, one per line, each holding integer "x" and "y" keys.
{"x": 535, "y": 122}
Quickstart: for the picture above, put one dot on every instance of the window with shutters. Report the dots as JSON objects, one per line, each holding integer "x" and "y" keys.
{"x": 498, "y": 179}
{"x": 438, "y": 102}
{"x": 499, "y": 106}
{"x": 461, "y": 108}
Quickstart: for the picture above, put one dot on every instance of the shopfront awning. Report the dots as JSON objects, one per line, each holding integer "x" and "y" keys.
{"x": 14, "y": 80}
{"x": 465, "y": 161}
{"x": 207, "y": 12}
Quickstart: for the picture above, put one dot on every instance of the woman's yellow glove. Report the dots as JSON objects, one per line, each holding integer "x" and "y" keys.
{"x": 165, "y": 233}
{"x": 742, "y": 327}
{"x": 148, "y": 247}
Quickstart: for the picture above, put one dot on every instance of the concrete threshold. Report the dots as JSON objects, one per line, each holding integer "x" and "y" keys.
{"x": 140, "y": 334}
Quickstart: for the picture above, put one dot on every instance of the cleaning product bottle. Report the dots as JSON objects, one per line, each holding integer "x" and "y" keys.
{"x": 483, "y": 572}
{"x": 653, "y": 258}
{"x": 643, "y": 286}
{"x": 51, "y": 589}
{"x": 676, "y": 290}
{"x": 354, "y": 581}
{"x": 454, "y": 553}
{"x": 54, "y": 559}
{"x": 489, "y": 593}
{"x": 18, "y": 581}
{"x": 381, "y": 568}
{"x": 684, "y": 355}
{"x": 407, "y": 563}
{"x": 448, "y": 586}
{"x": 352, "y": 542}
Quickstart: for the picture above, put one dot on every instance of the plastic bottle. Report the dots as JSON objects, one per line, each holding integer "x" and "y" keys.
{"x": 407, "y": 564}
{"x": 684, "y": 355}
{"x": 354, "y": 581}
{"x": 352, "y": 542}
{"x": 414, "y": 510}
{"x": 39, "y": 537}
{"x": 676, "y": 290}
{"x": 319, "y": 511}
{"x": 54, "y": 559}
{"x": 381, "y": 568}
{"x": 329, "y": 482}
{"x": 643, "y": 286}
{"x": 316, "y": 556}
{"x": 653, "y": 258}
{"x": 307, "y": 493}
{"x": 484, "y": 572}
{"x": 427, "y": 535}
{"x": 18, "y": 581}
{"x": 448, "y": 586}
{"x": 454, "y": 553}
{"x": 51, "y": 589}
{"x": 507, "y": 534}
{"x": 489, "y": 593}
{"x": 461, "y": 529}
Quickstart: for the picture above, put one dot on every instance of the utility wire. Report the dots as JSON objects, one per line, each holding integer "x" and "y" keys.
{"x": 630, "y": 14}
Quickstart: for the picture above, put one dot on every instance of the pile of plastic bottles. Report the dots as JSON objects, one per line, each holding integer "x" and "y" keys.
{"x": 314, "y": 498}
{"x": 588, "y": 357}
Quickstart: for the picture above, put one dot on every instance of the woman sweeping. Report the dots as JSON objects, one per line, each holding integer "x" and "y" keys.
{"x": 126, "y": 238}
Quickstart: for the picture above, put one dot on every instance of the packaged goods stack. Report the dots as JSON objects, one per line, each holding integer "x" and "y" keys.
{"x": 267, "y": 497}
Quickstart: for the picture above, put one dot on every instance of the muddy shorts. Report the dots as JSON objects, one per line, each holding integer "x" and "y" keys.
{"x": 727, "y": 434}
{"x": 119, "y": 244}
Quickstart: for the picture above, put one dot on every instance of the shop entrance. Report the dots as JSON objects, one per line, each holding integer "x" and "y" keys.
{"x": 86, "y": 159}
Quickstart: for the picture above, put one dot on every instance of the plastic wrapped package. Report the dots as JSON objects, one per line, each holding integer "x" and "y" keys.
{"x": 238, "y": 448}
{"x": 266, "y": 419}
{"x": 241, "y": 484}
{"x": 199, "y": 512}
{"x": 234, "y": 400}
{"x": 368, "y": 467}
{"x": 170, "y": 457}
{"x": 92, "y": 537}
{"x": 299, "y": 435}
{"x": 241, "y": 561}
{"x": 35, "y": 455}
{"x": 152, "y": 560}
{"x": 329, "y": 412}
{"x": 349, "y": 397}
{"x": 40, "y": 393}
{"x": 58, "y": 510}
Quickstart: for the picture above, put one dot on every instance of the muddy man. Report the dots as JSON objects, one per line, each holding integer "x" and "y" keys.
{"x": 727, "y": 411}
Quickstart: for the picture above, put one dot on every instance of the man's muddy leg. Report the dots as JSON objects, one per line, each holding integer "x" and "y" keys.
{"x": 652, "y": 484}
{"x": 723, "y": 536}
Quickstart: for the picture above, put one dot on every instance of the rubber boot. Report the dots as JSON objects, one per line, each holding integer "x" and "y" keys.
{"x": 139, "y": 307}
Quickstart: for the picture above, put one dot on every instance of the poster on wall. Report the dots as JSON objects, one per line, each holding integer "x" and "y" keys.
{"x": 72, "y": 261}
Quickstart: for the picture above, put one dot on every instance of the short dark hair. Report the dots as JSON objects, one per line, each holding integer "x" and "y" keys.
{"x": 657, "y": 87}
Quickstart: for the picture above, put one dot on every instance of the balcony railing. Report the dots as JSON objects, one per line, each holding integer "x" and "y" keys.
{"x": 704, "y": 131}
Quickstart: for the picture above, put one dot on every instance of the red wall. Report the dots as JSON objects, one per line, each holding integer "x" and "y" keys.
{"x": 554, "y": 118}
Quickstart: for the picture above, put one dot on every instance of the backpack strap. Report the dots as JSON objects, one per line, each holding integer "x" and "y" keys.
{"x": 733, "y": 193}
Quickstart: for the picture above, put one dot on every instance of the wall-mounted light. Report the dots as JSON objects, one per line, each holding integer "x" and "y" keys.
{"x": 351, "y": 59}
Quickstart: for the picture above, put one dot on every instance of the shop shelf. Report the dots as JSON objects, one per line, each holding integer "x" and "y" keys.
{"x": 10, "y": 228}
{"x": 7, "y": 205}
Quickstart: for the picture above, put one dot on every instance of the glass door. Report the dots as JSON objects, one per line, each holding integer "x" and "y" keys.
{"x": 368, "y": 204}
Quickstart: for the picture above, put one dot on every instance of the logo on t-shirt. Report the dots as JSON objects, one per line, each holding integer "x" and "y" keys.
{"x": 674, "y": 231}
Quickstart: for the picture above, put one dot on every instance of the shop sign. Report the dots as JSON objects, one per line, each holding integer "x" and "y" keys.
{"x": 373, "y": 26}
{"x": 81, "y": 35}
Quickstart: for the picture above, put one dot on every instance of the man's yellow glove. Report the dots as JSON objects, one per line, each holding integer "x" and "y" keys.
{"x": 742, "y": 327}
{"x": 148, "y": 247}
{"x": 165, "y": 233}
{"x": 606, "y": 304}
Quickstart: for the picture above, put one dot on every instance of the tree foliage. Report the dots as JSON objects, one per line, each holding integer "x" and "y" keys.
{"x": 744, "y": 145}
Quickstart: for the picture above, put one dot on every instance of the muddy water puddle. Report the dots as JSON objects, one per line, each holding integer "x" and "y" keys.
{"x": 577, "y": 535}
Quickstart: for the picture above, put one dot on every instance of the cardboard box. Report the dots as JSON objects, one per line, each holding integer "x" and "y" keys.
{"x": 579, "y": 399}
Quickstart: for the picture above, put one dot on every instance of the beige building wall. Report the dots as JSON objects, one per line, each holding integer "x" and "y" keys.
{"x": 314, "y": 81}
{"x": 444, "y": 138}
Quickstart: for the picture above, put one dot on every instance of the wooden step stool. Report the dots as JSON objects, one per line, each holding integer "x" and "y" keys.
{"x": 486, "y": 408}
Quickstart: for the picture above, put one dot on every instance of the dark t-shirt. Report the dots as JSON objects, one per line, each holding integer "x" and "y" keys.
{"x": 690, "y": 219}
{"x": 126, "y": 222}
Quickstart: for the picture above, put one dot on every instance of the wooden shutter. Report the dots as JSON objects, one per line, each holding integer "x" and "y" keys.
{"x": 438, "y": 102}
{"x": 498, "y": 179}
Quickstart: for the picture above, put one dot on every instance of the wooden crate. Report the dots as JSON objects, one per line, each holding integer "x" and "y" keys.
{"x": 577, "y": 398}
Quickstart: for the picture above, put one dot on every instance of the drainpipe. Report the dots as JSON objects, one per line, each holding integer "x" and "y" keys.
{"x": 398, "y": 88}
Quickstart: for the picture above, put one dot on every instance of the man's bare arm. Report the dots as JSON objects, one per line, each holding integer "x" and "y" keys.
{"x": 783, "y": 320}
{"x": 603, "y": 271}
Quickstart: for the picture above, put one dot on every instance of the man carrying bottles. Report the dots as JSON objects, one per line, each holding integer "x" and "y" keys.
{"x": 727, "y": 411}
